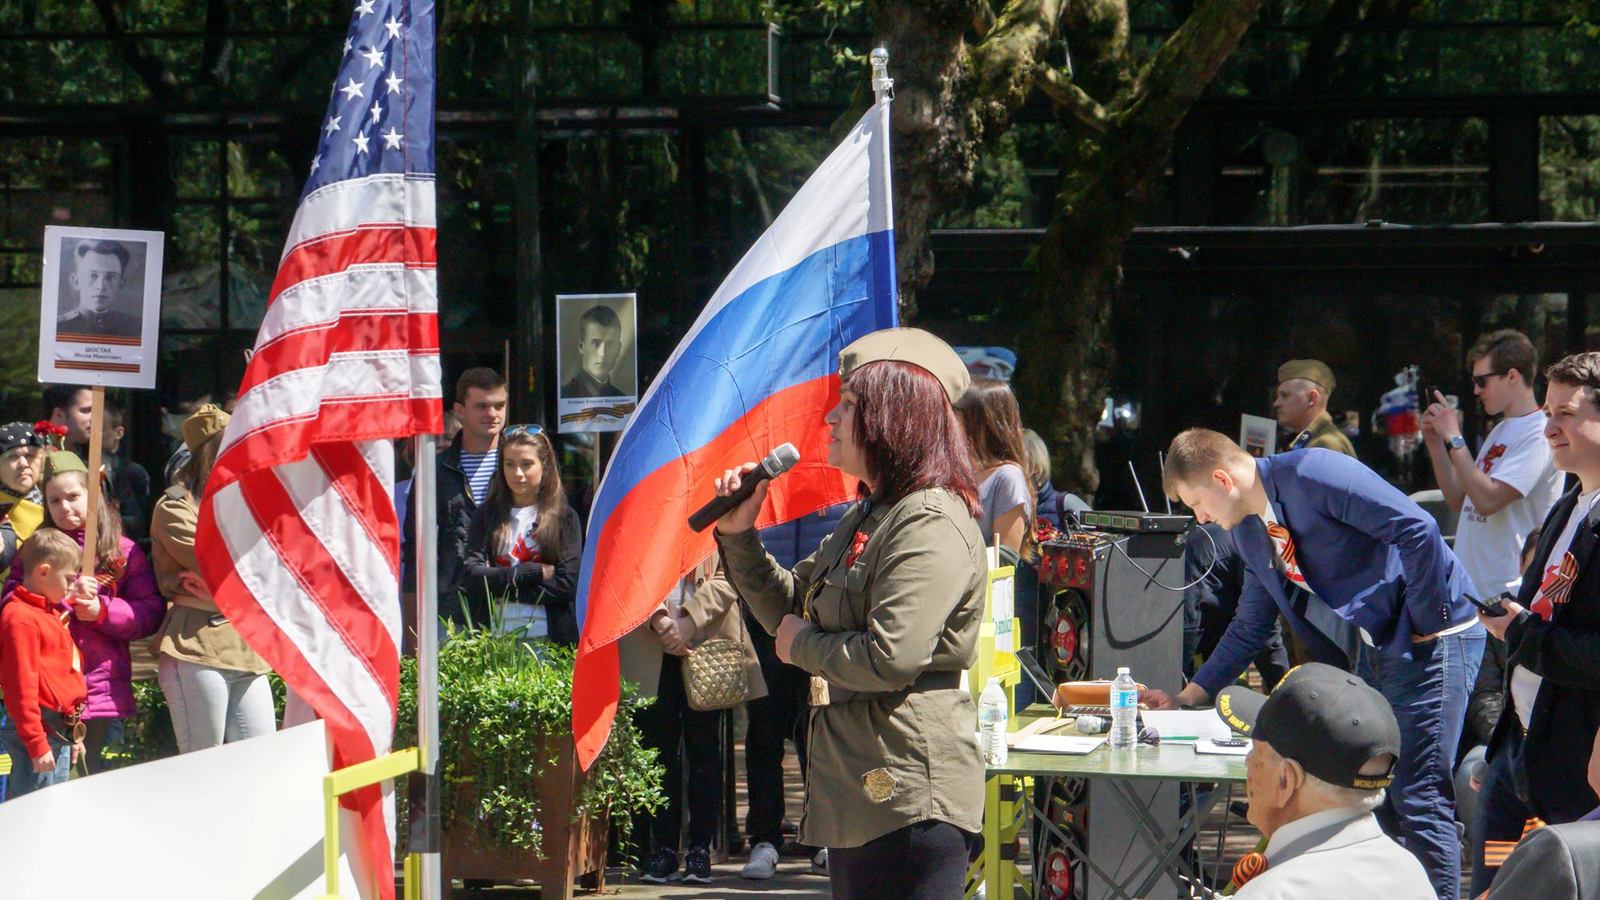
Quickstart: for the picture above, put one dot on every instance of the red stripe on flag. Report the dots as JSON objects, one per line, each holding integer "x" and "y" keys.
{"x": 364, "y": 497}
{"x": 323, "y": 579}
{"x": 348, "y": 737}
{"x": 355, "y": 330}
{"x": 622, "y": 596}
{"x": 414, "y": 246}
{"x": 353, "y": 419}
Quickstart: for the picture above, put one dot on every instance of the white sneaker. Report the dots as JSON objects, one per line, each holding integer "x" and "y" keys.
{"x": 763, "y": 862}
{"x": 819, "y": 863}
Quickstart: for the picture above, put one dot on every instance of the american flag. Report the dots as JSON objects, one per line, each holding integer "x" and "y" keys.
{"x": 297, "y": 535}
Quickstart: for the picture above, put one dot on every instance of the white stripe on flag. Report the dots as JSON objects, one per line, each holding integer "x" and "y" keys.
{"x": 378, "y": 376}
{"x": 294, "y": 612}
{"x": 359, "y": 557}
{"x": 354, "y": 291}
{"x": 390, "y": 198}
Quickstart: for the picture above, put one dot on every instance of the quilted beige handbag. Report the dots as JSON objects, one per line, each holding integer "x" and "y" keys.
{"x": 713, "y": 675}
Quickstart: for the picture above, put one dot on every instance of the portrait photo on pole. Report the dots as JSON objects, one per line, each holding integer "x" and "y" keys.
{"x": 100, "y": 306}
{"x": 597, "y": 361}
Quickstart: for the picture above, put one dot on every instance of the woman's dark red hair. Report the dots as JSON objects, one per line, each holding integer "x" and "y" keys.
{"x": 909, "y": 434}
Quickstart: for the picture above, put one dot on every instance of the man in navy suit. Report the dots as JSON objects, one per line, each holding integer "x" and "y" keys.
{"x": 1333, "y": 546}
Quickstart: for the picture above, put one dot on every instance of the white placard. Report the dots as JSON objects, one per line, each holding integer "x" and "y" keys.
{"x": 1002, "y": 605}
{"x": 1212, "y": 748}
{"x": 1258, "y": 435}
{"x": 1070, "y": 744}
{"x": 100, "y": 306}
{"x": 597, "y": 361}
{"x": 241, "y": 820}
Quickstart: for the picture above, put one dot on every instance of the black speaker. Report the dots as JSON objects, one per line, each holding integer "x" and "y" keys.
{"x": 1108, "y": 600}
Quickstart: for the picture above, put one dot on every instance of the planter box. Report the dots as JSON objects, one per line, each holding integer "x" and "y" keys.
{"x": 572, "y": 849}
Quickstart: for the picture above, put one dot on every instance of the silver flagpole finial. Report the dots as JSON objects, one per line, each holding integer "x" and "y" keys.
{"x": 882, "y": 84}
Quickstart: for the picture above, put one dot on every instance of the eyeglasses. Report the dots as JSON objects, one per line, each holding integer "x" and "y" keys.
{"x": 533, "y": 430}
{"x": 1482, "y": 381}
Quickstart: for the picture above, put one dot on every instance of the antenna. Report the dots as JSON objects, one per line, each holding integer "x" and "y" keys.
{"x": 1137, "y": 486}
{"x": 1161, "y": 459}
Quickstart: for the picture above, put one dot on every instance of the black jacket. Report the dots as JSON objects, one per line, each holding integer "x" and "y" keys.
{"x": 481, "y": 580}
{"x": 1566, "y": 653}
{"x": 454, "y": 505}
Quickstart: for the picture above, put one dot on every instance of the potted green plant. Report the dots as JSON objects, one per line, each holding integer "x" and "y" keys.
{"x": 513, "y": 803}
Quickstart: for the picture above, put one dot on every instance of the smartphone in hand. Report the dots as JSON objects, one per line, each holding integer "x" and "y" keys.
{"x": 1493, "y": 609}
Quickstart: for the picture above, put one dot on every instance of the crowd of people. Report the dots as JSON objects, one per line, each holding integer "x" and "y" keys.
{"x": 1432, "y": 699}
{"x": 85, "y": 629}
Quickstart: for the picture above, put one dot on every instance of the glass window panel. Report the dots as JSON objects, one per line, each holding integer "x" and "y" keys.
{"x": 1416, "y": 171}
{"x": 22, "y": 267}
{"x": 261, "y": 170}
{"x": 1569, "y": 168}
{"x": 195, "y": 169}
{"x": 287, "y": 69}
{"x": 19, "y": 351}
{"x": 191, "y": 285}
{"x": 712, "y": 63}
{"x": 169, "y": 15}
{"x": 51, "y": 181}
{"x": 589, "y": 64}
{"x": 255, "y": 241}
{"x": 477, "y": 237}
{"x": 479, "y": 67}
{"x": 484, "y": 12}
{"x": 83, "y": 71}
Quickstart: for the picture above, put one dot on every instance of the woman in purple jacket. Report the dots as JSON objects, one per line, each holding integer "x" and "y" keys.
{"x": 130, "y": 605}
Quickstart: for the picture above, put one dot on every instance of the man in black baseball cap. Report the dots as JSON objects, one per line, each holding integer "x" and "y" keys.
{"x": 1324, "y": 749}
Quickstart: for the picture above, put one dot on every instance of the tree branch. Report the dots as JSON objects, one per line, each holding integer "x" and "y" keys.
{"x": 1073, "y": 100}
{"x": 1004, "y": 62}
{"x": 1180, "y": 71}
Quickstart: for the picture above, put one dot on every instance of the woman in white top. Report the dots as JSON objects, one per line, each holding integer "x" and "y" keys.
{"x": 994, "y": 437}
{"x": 524, "y": 546}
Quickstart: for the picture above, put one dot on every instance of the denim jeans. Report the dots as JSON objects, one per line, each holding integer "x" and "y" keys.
{"x": 1501, "y": 814}
{"x": 1429, "y": 697}
{"x": 23, "y": 779}
{"x": 210, "y": 705}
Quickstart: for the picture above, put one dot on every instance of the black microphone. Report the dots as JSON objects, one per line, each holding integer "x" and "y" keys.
{"x": 780, "y": 460}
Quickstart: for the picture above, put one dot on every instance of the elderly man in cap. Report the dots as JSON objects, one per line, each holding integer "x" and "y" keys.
{"x": 1324, "y": 749}
{"x": 1301, "y": 404}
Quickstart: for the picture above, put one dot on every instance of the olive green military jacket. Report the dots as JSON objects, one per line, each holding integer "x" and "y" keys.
{"x": 893, "y": 622}
{"x": 1323, "y": 433}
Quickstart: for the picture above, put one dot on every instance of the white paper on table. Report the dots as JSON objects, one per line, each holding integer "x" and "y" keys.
{"x": 1195, "y": 723}
{"x": 1206, "y": 745}
{"x": 1071, "y": 744}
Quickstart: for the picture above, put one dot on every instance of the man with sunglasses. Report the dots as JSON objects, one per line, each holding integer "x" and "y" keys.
{"x": 1503, "y": 493}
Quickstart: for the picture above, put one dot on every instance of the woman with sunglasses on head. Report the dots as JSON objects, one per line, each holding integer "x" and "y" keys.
{"x": 524, "y": 545}
{"x": 885, "y": 618}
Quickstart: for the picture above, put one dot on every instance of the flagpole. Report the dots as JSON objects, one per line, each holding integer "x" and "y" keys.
{"x": 882, "y": 84}
{"x": 425, "y": 837}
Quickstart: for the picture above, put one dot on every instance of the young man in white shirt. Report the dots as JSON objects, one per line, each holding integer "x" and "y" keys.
{"x": 1505, "y": 492}
{"x": 1539, "y": 751}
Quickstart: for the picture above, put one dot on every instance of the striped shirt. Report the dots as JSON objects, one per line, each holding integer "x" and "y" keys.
{"x": 479, "y": 468}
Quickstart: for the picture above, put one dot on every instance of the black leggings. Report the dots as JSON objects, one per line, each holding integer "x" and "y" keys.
{"x": 925, "y": 861}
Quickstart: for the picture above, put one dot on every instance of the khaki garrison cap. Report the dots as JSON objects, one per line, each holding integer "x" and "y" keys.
{"x": 909, "y": 345}
{"x": 206, "y": 421}
{"x": 1314, "y": 370}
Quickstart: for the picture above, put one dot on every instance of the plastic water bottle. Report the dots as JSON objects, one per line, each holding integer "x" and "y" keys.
{"x": 1124, "y": 711}
{"x": 992, "y": 716}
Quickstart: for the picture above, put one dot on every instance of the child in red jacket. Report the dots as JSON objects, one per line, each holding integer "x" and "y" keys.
{"x": 40, "y": 668}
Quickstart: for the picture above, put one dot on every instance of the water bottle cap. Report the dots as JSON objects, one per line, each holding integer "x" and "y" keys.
{"x": 1122, "y": 670}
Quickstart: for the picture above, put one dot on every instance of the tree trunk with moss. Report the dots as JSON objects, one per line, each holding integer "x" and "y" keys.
{"x": 1120, "y": 119}
{"x": 960, "y": 73}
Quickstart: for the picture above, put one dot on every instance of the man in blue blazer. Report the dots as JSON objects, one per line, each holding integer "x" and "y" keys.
{"x": 1319, "y": 532}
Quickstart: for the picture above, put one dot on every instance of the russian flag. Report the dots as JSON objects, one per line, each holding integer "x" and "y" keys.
{"x": 758, "y": 368}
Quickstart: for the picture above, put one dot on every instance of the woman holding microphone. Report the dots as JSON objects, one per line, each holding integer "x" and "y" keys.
{"x": 885, "y": 618}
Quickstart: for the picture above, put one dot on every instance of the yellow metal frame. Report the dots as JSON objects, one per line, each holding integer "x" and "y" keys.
{"x": 1002, "y": 795}
{"x": 342, "y": 781}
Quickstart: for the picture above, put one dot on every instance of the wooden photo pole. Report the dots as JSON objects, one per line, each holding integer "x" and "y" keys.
{"x": 91, "y": 519}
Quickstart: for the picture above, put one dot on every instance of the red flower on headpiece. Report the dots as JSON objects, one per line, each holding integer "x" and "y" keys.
{"x": 51, "y": 434}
